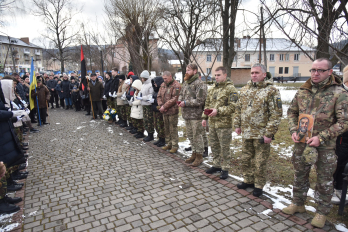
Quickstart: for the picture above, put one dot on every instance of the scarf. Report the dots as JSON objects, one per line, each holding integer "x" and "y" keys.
{"x": 93, "y": 82}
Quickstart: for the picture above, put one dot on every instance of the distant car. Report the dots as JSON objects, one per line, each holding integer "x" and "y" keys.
{"x": 204, "y": 78}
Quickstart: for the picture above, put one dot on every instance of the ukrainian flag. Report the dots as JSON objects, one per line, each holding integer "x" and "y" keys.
{"x": 33, "y": 84}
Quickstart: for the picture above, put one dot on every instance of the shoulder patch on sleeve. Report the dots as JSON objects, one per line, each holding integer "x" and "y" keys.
{"x": 279, "y": 103}
{"x": 234, "y": 97}
{"x": 200, "y": 94}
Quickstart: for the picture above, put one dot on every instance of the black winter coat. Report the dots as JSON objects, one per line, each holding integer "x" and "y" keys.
{"x": 158, "y": 81}
{"x": 114, "y": 85}
{"x": 9, "y": 144}
{"x": 65, "y": 86}
{"x": 342, "y": 148}
{"x": 108, "y": 86}
{"x": 20, "y": 91}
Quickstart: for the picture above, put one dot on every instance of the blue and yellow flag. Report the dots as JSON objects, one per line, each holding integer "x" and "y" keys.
{"x": 32, "y": 84}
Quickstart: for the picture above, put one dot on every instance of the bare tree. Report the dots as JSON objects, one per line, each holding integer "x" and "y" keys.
{"x": 58, "y": 16}
{"x": 324, "y": 22}
{"x": 133, "y": 22}
{"x": 185, "y": 24}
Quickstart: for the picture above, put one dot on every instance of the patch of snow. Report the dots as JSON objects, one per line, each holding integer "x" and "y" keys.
{"x": 57, "y": 123}
{"x": 285, "y": 110}
{"x": 341, "y": 227}
{"x": 273, "y": 194}
{"x": 125, "y": 142}
{"x": 10, "y": 227}
{"x": 120, "y": 134}
{"x": 79, "y": 127}
{"x": 287, "y": 151}
{"x": 287, "y": 95}
{"x": 266, "y": 212}
{"x": 310, "y": 208}
{"x": 83, "y": 122}
{"x": 53, "y": 139}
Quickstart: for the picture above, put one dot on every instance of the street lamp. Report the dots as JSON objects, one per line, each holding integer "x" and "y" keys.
{"x": 101, "y": 59}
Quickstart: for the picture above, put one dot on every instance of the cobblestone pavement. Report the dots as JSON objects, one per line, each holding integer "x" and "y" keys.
{"x": 92, "y": 176}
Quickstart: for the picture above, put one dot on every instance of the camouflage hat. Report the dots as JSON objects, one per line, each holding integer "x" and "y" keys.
{"x": 310, "y": 155}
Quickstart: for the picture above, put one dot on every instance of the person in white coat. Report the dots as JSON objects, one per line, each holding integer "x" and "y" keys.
{"x": 137, "y": 110}
{"x": 146, "y": 101}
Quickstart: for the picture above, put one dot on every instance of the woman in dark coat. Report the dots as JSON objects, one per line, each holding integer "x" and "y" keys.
{"x": 157, "y": 115}
{"x": 65, "y": 89}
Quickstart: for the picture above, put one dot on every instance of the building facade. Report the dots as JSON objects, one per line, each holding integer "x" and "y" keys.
{"x": 16, "y": 54}
{"x": 284, "y": 58}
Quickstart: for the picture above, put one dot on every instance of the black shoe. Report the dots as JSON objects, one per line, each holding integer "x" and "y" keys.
{"x": 157, "y": 142}
{"x": 33, "y": 130}
{"x": 205, "y": 152}
{"x": 12, "y": 200}
{"x": 18, "y": 176}
{"x": 123, "y": 125}
{"x": 188, "y": 149}
{"x": 33, "y": 121}
{"x": 129, "y": 127}
{"x": 22, "y": 166}
{"x": 25, "y": 148}
{"x": 224, "y": 175}
{"x": 45, "y": 123}
{"x": 25, "y": 130}
{"x": 6, "y": 208}
{"x": 52, "y": 107}
{"x": 245, "y": 185}
{"x": 257, "y": 192}
{"x": 101, "y": 117}
{"x": 149, "y": 138}
{"x": 134, "y": 131}
{"x": 213, "y": 170}
{"x": 14, "y": 187}
{"x": 24, "y": 133}
{"x": 139, "y": 135}
{"x": 88, "y": 114}
{"x": 67, "y": 107}
{"x": 25, "y": 144}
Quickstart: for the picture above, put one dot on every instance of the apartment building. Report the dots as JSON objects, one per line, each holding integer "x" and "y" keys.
{"x": 284, "y": 58}
{"x": 15, "y": 55}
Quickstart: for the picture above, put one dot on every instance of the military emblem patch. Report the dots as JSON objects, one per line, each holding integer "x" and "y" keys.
{"x": 177, "y": 92}
{"x": 279, "y": 103}
{"x": 234, "y": 97}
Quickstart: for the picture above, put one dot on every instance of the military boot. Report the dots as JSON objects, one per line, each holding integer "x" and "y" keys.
{"x": 130, "y": 127}
{"x": 7, "y": 208}
{"x": 292, "y": 208}
{"x": 173, "y": 150}
{"x": 191, "y": 159}
{"x": 198, "y": 160}
{"x": 157, "y": 142}
{"x": 167, "y": 147}
{"x": 148, "y": 138}
{"x": 319, "y": 220}
{"x": 205, "y": 153}
{"x": 162, "y": 142}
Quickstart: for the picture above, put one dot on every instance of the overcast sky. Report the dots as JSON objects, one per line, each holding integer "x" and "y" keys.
{"x": 28, "y": 25}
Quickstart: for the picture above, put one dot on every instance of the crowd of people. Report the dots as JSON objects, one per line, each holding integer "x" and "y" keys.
{"x": 153, "y": 103}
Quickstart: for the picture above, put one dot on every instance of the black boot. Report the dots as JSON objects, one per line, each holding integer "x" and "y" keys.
{"x": 7, "y": 208}
{"x": 213, "y": 170}
{"x": 12, "y": 200}
{"x": 14, "y": 187}
{"x": 205, "y": 152}
{"x": 155, "y": 143}
{"x": 124, "y": 124}
{"x": 139, "y": 135}
{"x": 224, "y": 175}
{"x": 134, "y": 131}
{"x": 19, "y": 176}
{"x": 149, "y": 138}
{"x": 162, "y": 142}
{"x": 245, "y": 185}
{"x": 130, "y": 127}
{"x": 188, "y": 149}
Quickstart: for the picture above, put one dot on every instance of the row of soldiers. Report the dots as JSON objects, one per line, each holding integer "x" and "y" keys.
{"x": 255, "y": 113}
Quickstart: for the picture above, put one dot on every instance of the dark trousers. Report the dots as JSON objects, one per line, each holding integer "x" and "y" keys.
{"x": 77, "y": 105}
{"x": 104, "y": 105}
{"x": 97, "y": 108}
{"x": 43, "y": 114}
{"x": 54, "y": 98}
{"x": 342, "y": 160}
{"x": 62, "y": 104}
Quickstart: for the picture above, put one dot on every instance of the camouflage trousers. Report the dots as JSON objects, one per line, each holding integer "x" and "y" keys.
{"x": 122, "y": 112}
{"x": 195, "y": 130}
{"x": 220, "y": 140}
{"x": 128, "y": 112}
{"x": 253, "y": 161}
{"x": 110, "y": 102}
{"x": 171, "y": 129}
{"x": 139, "y": 124}
{"x": 19, "y": 134}
{"x": 325, "y": 168}
{"x": 205, "y": 138}
{"x": 3, "y": 187}
{"x": 148, "y": 119}
{"x": 159, "y": 124}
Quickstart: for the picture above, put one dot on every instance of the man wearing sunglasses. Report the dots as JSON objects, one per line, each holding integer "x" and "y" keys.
{"x": 322, "y": 97}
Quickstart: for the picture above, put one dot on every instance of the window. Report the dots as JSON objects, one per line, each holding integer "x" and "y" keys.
{"x": 286, "y": 56}
{"x": 208, "y": 71}
{"x": 247, "y": 57}
{"x": 281, "y": 56}
{"x": 296, "y": 56}
{"x": 271, "y": 57}
{"x": 208, "y": 57}
{"x": 218, "y": 58}
{"x": 286, "y": 70}
{"x": 280, "y": 70}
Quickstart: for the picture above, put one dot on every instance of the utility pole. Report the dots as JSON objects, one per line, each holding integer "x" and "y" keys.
{"x": 263, "y": 39}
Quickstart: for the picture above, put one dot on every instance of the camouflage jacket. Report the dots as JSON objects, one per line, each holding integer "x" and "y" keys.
{"x": 194, "y": 93}
{"x": 328, "y": 103}
{"x": 223, "y": 97}
{"x": 258, "y": 110}
{"x": 167, "y": 96}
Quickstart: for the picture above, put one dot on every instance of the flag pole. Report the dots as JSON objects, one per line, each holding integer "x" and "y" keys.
{"x": 90, "y": 98}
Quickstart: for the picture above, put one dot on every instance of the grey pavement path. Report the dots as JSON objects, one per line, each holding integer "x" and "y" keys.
{"x": 91, "y": 176}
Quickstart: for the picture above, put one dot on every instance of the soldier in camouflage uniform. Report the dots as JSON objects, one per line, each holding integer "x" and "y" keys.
{"x": 323, "y": 97}
{"x": 167, "y": 97}
{"x": 192, "y": 98}
{"x": 257, "y": 116}
{"x": 221, "y": 100}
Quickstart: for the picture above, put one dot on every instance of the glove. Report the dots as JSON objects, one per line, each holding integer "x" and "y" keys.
{"x": 27, "y": 111}
{"x": 24, "y": 103}
{"x": 19, "y": 118}
{"x": 130, "y": 103}
{"x": 127, "y": 82}
{"x": 114, "y": 95}
{"x": 104, "y": 97}
{"x": 139, "y": 98}
{"x": 18, "y": 113}
{"x": 151, "y": 100}
{"x": 14, "y": 105}
{"x": 110, "y": 94}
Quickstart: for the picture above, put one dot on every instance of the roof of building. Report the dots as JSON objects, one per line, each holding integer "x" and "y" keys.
{"x": 251, "y": 44}
{"x": 16, "y": 41}
{"x": 171, "y": 62}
